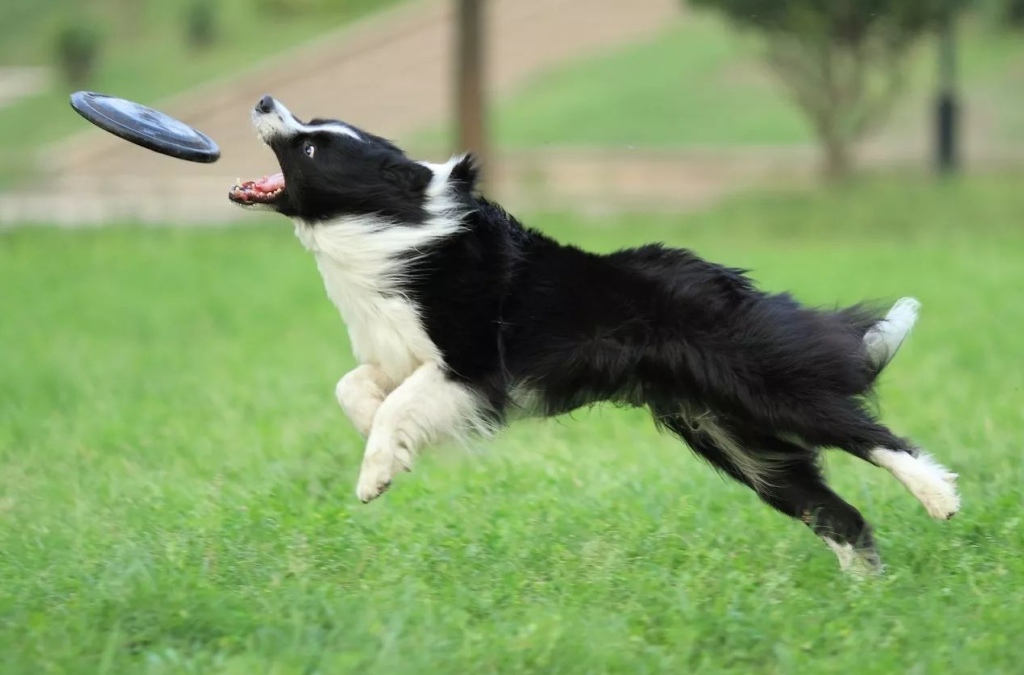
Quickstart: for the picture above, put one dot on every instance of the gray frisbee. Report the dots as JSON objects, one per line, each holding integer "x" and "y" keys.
{"x": 144, "y": 126}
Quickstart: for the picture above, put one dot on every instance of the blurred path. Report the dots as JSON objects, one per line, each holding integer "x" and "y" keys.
{"x": 390, "y": 73}
{"x": 607, "y": 179}
{"x": 584, "y": 180}
{"x": 18, "y": 82}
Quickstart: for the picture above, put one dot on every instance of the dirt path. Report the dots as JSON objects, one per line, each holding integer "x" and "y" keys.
{"x": 390, "y": 74}
{"x": 19, "y": 82}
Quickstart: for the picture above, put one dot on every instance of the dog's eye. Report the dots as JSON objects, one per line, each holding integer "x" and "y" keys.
{"x": 309, "y": 149}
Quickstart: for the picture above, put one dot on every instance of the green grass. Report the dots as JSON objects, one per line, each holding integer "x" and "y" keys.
{"x": 148, "y": 58}
{"x": 176, "y": 479}
{"x": 696, "y": 83}
{"x": 700, "y": 82}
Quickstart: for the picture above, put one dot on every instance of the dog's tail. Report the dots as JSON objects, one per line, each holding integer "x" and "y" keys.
{"x": 885, "y": 338}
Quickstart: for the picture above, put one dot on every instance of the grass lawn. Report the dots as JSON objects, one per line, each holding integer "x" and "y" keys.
{"x": 701, "y": 83}
{"x": 176, "y": 480}
{"x": 696, "y": 83}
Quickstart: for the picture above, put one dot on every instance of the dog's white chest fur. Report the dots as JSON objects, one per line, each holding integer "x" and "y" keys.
{"x": 360, "y": 272}
{"x": 364, "y": 261}
{"x": 385, "y": 331}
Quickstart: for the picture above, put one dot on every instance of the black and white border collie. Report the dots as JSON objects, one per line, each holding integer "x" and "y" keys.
{"x": 462, "y": 320}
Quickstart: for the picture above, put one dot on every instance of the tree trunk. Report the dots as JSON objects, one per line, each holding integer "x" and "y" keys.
{"x": 836, "y": 161}
{"x": 469, "y": 79}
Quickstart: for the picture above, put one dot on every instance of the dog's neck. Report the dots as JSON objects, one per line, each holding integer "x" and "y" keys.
{"x": 364, "y": 261}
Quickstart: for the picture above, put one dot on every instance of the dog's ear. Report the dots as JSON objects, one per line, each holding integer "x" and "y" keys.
{"x": 465, "y": 173}
{"x": 408, "y": 176}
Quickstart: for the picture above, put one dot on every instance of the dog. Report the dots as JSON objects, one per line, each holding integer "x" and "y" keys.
{"x": 463, "y": 320}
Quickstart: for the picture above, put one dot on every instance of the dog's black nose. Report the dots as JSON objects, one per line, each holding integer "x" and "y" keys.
{"x": 266, "y": 104}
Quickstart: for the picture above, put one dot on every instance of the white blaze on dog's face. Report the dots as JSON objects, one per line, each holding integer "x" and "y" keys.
{"x": 331, "y": 169}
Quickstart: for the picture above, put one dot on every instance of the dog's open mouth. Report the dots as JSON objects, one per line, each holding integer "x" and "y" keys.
{"x": 267, "y": 190}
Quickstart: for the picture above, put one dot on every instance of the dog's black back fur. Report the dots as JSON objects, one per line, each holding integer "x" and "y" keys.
{"x": 652, "y": 326}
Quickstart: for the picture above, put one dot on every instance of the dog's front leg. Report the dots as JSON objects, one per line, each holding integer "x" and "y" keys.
{"x": 360, "y": 394}
{"x": 425, "y": 408}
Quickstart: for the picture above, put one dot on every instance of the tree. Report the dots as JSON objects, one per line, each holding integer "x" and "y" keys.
{"x": 1013, "y": 13}
{"x": 470, "y": 70}
{"x": 77, "y": 49}
{"x": 842, "y": 61}
{"x": 201, "y": 23}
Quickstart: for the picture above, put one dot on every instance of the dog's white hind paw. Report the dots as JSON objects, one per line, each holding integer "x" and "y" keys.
{"x": 856, "y": 562}
{"x": 931, "y": 483}
{"x": 941, "y": 499}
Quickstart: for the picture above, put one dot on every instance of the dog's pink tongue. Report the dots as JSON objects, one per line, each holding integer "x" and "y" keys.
{"x": 270, "y": 183}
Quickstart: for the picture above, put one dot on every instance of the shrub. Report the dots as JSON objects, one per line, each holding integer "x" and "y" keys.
{"x": 1014, "y": 13}
{"x": 201, "y": 23}
{"x": 77, "y": 50}
{"x": 842, "y": 61}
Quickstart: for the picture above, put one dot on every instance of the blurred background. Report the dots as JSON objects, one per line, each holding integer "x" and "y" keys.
{"x": 175, "y": 474}
{"x": 657, "y": 103}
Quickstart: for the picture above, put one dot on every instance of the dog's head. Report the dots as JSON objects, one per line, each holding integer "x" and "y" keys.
{"x": 330, "y": 169}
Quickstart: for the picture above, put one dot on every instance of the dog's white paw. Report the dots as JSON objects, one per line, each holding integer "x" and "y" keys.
{"x": 856, "y": 562}
{"x": 933, "y": 484}
{"x": 375, "y": 476}
{"x": 940, "y": 498}
{"x": 379, "y": 468}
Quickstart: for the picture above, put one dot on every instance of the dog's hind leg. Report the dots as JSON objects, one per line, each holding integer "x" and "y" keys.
{"x": 801, "y": 492}
{"x": 843, "y": 423}
{"x": 790, "y": 482}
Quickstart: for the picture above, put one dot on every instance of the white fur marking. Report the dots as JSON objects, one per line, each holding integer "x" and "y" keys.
{"x": 852, "y": 561}
{"x": 426, "y": 408}
{"x": 440, "y": 203}
{"x": 358, "y": 260}
{"x": 845, "y": 552}
{"x": 281, "y": 122}
{"x": 931, "y": 483}
{"x": 884, "y": 339}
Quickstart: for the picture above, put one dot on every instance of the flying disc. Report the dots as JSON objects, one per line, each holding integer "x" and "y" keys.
{"x": 144, "y": 126}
